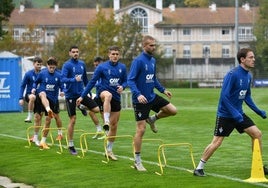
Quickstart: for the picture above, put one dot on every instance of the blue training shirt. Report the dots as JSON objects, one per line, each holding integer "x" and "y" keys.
{"x": 111, "y": 75}
{"x": 236, "y": 90}
{"x": 70, "y": 70}
{"x": 50, "y": 83}
{"x": 27, "y": 82}
{"x": 142, "y": 78}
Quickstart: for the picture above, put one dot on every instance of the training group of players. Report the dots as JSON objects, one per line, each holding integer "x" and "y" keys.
{"x": 110, "y": 78}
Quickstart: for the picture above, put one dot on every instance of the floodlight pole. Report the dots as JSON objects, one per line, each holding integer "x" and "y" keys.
{"x": 236, "y": 31}
{"x": 97, "y": 37}
{"x": 174, "y": 63}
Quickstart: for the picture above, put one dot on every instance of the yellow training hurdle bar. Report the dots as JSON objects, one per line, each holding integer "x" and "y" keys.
{"x": 161, "y": 151}
{"x": 28, "y": 133}
{"x": 52, "y": 139}
{"x": 105, "y": 144}
{"x": 83, "y": 141}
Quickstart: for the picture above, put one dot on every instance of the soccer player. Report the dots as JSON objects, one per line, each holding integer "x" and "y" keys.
{"x": 113, "y": 75}
{"x": 230, "y": 115}
{"x": 49, "y": 84}
{"x": 74, "y": 77}
{"x": 94, "y": 118}
{"x": 96, "y": 62}
{"x": 142, "y": 81}
{"x": 27, "y": 83}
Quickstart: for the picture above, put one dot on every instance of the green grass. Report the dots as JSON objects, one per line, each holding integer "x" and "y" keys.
{"x": 194, "y": 124}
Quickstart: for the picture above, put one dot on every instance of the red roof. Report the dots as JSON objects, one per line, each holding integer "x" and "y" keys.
{"x": 64, "y": 17}
{"x": 74, "y": 17}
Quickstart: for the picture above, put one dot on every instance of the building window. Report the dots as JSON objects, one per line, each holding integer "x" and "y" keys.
{"x": 245, "y": 33}
{"x": 226, "y": 51}
{"x": 168, "y": 52}
{"x": 206, "y": 31}
{"x": 141, "y": 17}
{"x": 186, "y": 51}
{"x": 16, "y": 34}
{"x": 49, "y": 34}
{"x": 225, "y": 31}
{"x": 206, "y": 51}
{"x": 167, "y": 31}
{"x": 186, "y": 31}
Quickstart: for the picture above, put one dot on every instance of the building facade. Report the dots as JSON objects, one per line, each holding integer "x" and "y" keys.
{"x": 202, "y": 41}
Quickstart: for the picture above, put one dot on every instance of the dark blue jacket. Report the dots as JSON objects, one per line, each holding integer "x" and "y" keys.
{"x": 111, "y": 75}
{"x": 70, "y": 70}
{"x": 142, "y": 78}
{"x": 236, "y": 90}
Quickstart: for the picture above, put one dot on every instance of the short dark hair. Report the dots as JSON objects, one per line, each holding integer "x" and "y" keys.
{"x": 98, "y": 59}
{"x": 242, "y": 53}
{"x": 37, "y": 59}
{"x": 73, "y": 47}
{"x": 113, "y": 48}
{"x": 52, "y": 61}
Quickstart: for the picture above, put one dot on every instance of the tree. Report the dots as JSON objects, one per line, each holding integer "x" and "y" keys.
{"x": 28, "y": 45}
{"x": 196, "y": 3}
{"x": 101, "y": 33}
{"x": 8, "y": 43}
{"x": 6, "y": 8}
{"x": 261, "y": 33}
{"x": 130, "y": 38}
{"x": 62, "y": 43}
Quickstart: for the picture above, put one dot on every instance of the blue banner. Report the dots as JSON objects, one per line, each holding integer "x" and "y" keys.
{"x": 10, "y": 79}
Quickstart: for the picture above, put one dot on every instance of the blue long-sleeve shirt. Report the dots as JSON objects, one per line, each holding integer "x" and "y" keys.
{"x": 236, "y": 90}
{"x": 142, "y": 78}
{"x": 49, "y": 83}
{"x": 27, "y": 82}
{"x": 70, "y": 70}
{"x": 111, "y": 75}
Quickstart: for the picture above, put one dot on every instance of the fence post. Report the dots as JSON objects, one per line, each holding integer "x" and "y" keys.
{"x": 126, "y": 100}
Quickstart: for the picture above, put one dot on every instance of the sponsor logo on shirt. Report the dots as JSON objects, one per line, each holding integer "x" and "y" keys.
{"x": 242, "y": 94}
{"x": 50, "y": 87}
{"x": 114, "y": 81}
{"x": 149, "y": 78}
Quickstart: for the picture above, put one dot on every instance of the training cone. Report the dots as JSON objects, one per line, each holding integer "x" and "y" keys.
{"x": 257, "y": 173}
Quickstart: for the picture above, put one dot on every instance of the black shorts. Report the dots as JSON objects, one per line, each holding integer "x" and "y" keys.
{"x": 26, "y": 98}
{"x": 142, "y": 111}
{"x": 55, "y": 107}
{"x": 71, "y": 104}
{"x": 115, "y": 105}
{"x": 99, "y": 103}
{"x": 38, "y": 106}
{"x": 225, "y": 126}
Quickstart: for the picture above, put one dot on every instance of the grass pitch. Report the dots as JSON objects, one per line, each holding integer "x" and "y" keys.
{"x": 194, "y": 123}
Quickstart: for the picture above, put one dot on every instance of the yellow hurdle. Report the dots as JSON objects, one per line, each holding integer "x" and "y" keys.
{"x": 161, "y": 153}
{"x": 105, "y": 144}
{"x": 52, "y": 139}
{"x": 28, "y": 133}
{"x": 152, "y": 140}
{"x": 83, "y": 142}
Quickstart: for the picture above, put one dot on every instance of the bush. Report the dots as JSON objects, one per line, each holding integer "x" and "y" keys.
{"x": 179, "y": 84}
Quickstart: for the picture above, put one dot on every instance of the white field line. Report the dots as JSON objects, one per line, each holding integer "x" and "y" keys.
{"x": 155, "y": 163}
